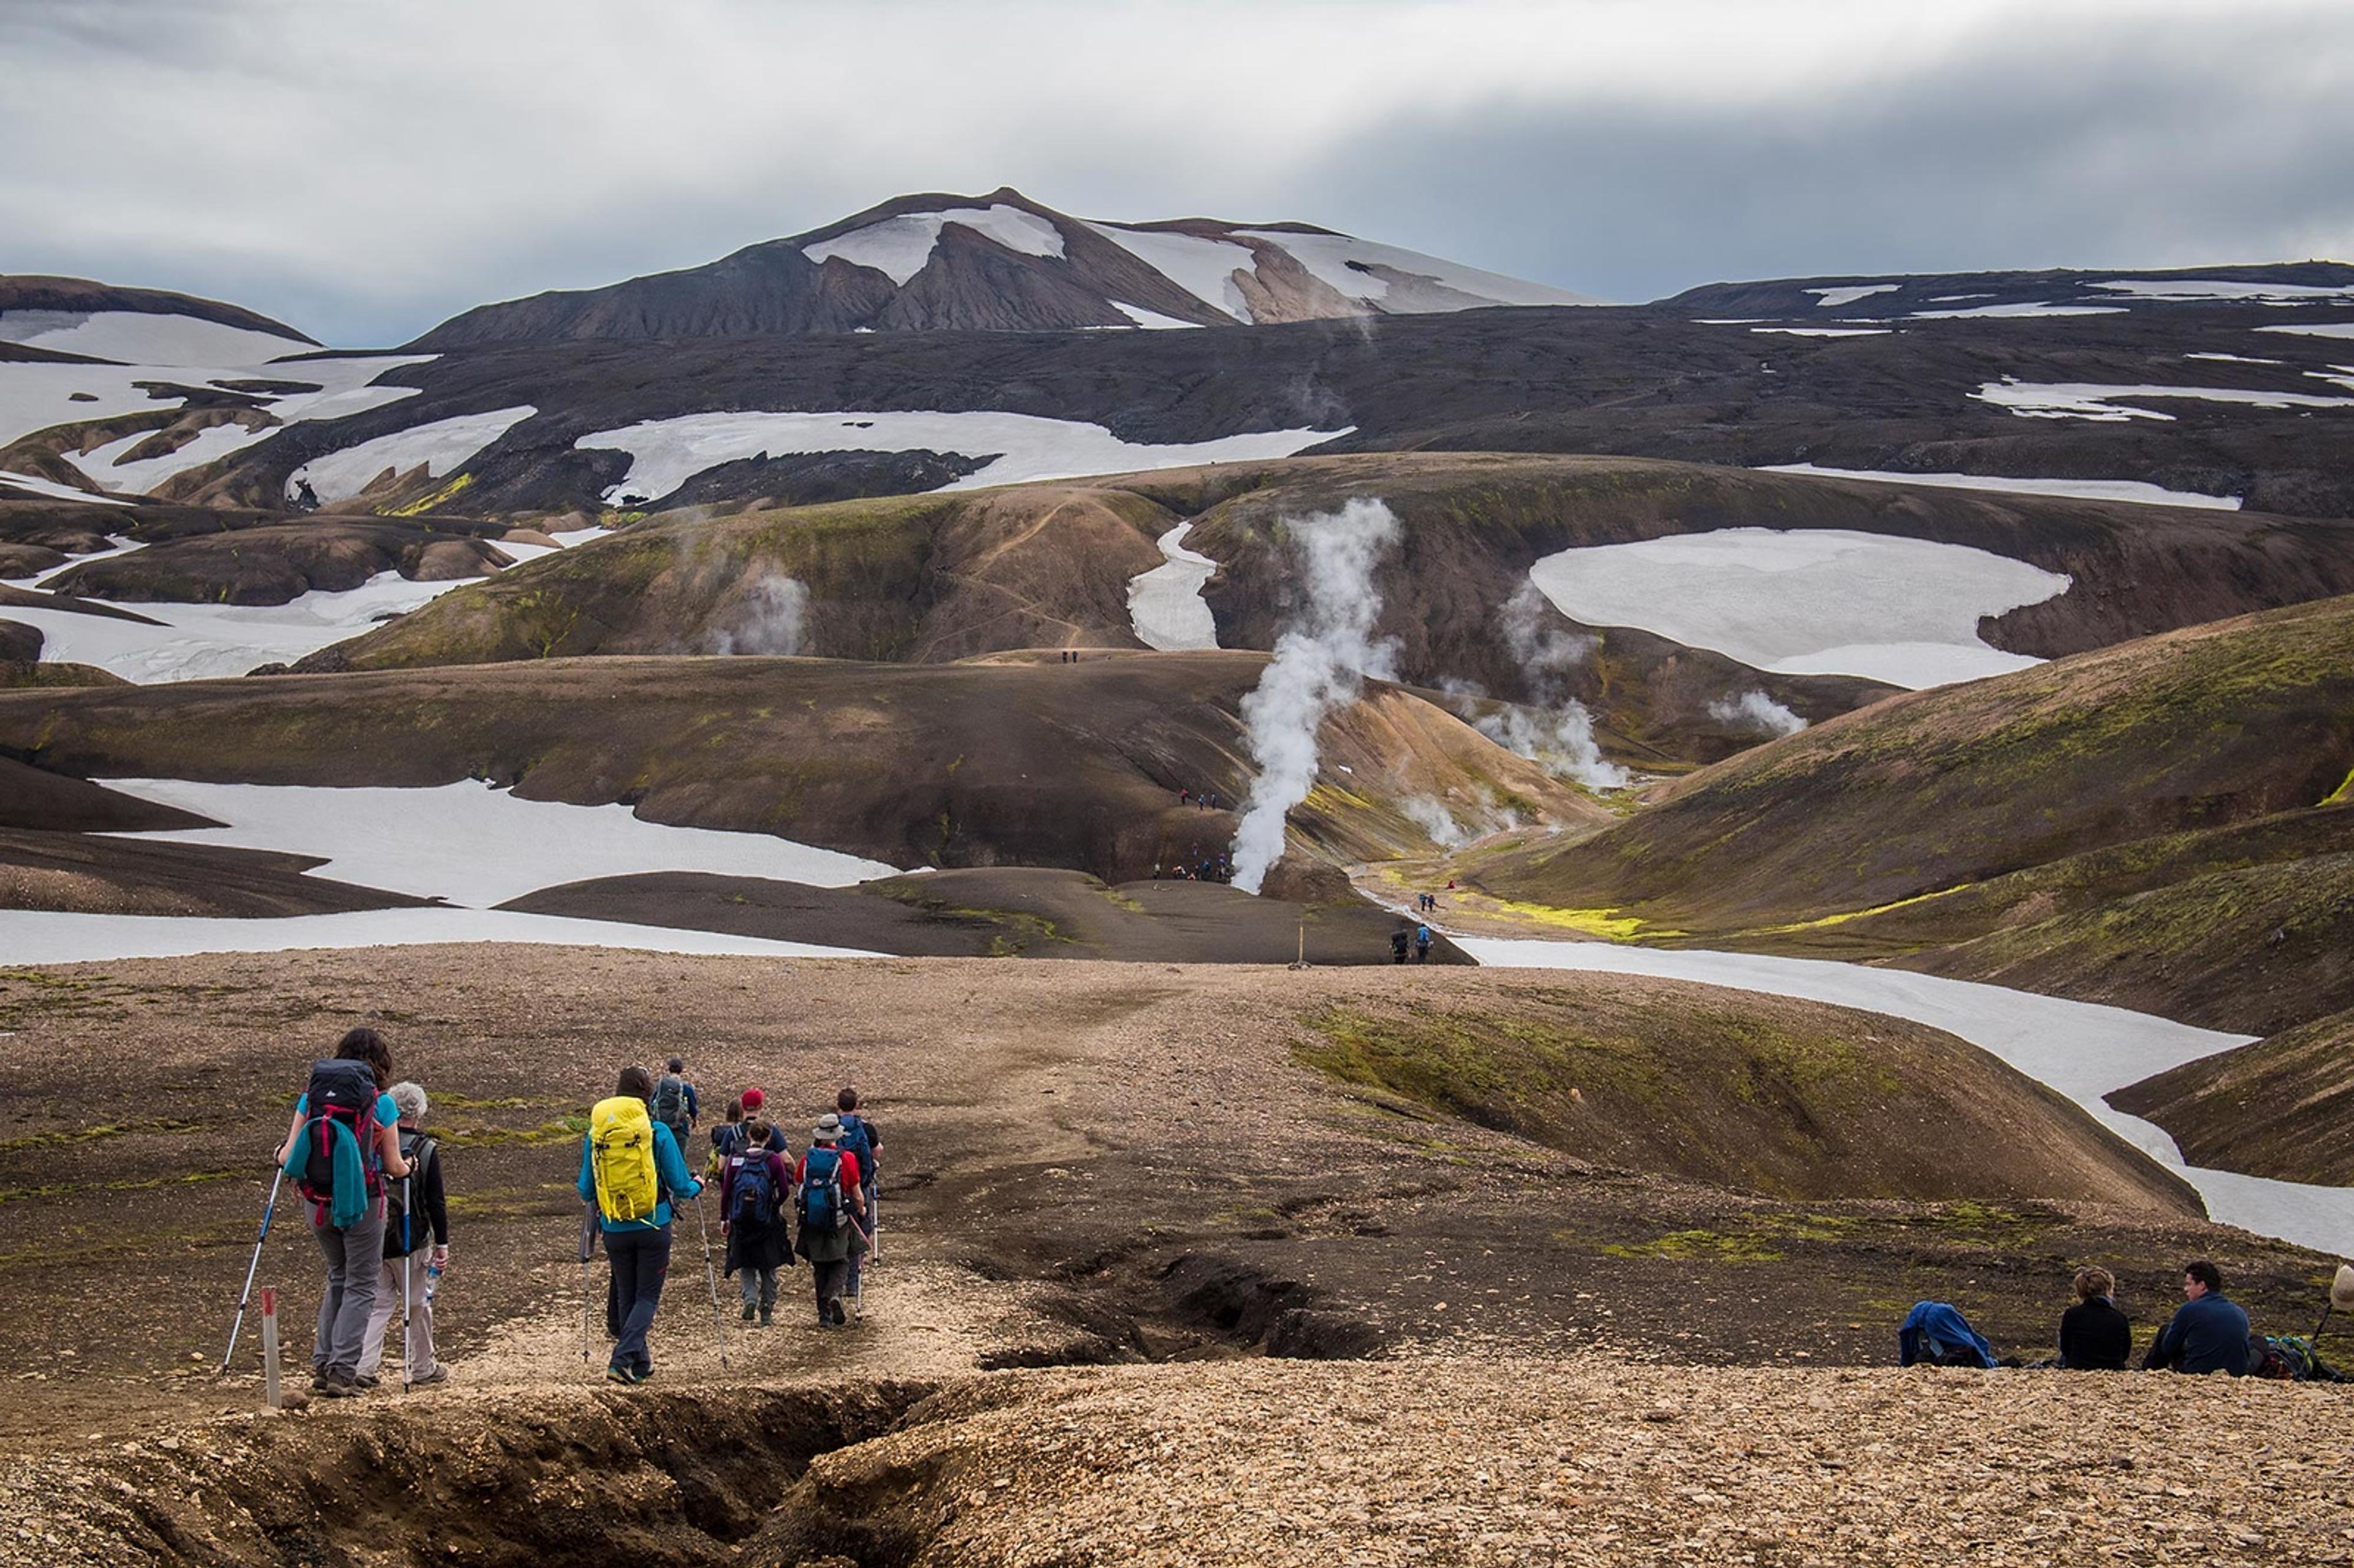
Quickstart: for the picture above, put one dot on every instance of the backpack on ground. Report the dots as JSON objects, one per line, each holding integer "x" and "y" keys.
{"x": 752, "y": 1196}
{"x": 822, "y": 1204}
{"x": 335, "y": 1163}
{"x": 670, "y": 1101}
{"x": 858, "y": 1141}
{"x": 622, "y": 1159}
{"x": 2288, "y": 1357}
{"x": 418, "y": 1149}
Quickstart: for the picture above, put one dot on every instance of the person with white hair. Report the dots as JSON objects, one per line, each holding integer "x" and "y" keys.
{"x": 415, "y": 1250}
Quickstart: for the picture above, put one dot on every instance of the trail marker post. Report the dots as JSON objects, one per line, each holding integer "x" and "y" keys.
{"x": 269, "y": 1393}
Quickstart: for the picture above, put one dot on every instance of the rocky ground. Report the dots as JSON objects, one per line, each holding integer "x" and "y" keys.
{"x": 1165, "y": 1278}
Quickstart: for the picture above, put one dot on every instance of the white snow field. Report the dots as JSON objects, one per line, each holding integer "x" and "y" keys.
{"x": 1165, "y": 604}
{"x": 1152, "y": 320}
{"x": 2081, "y": 1049}
{"x": 2034, "y": 307}
{"x": 143, "y": 337}
{"x": 899, "y": 246}
{"x": 2133, "y": 490}
{"x": 1848, "y": 295}
{"x": 116, "y": 544}
{"x": 1817, "y": 601}
{"x": 2235, "y": 358}
{"x": 33, "y": 485}
{"x": 1202, "y": 267}
{"x": 666, "y": 453}
{"x": 468, "y": 843}
{"x": 206, "y": 641}
{"x": 441, "y": 448}
{"x": 1825, "y": 332}
{"x": 2318, "y": 329}
{"x": 40, "y": 936}
{"x": 1333, "y": 260}
{"x": 2085, "y": 400}
{"x": 2220, "y": 289}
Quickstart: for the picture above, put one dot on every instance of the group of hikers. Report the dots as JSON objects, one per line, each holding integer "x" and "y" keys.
{"x": 2209, "y": 1333}
{"x": 371, "y": 1179}
{"x": 1417, "y": 937}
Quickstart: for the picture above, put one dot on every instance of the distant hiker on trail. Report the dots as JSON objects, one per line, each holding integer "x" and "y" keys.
{"x": 2093, "y": 1335}
{"x": 859, "y": 1139}
{"x": 415, "y": 1251}
{"x": 1400, "y": 940}
{"x": 632, "y": 1167}
{"x": 826, "y": 1187}
{"x": 306, "y": 498}
{"x": 673, "y": 1104}
{"x": 2208, "y": 1333}
{"x": 342, "y": 1144}
{"x": 752, "y": 1191}
{"x": 1422, "y": 944}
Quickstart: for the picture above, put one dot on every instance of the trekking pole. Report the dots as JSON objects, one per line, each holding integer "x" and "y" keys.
{"x": 711, "y": 1279}
{"x": 407, "y": 1362}
{"x": 245, "y": 1296}
{"x": 587, "y": 1251}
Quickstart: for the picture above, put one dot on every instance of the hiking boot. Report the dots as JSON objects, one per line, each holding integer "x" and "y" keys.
{"x": 439, "y": 1374}
{"x": 765, "y": 1314}
{"x": 318, "y": 1380}
{"x": 367, "y": 1380}
{"x": 622, "y": 1375}
{"x": 841, "y": 1318}
{"x": 340, "y": 1385}
{"x": 747, "y": 1313}
{"x": 642, "y": 1374}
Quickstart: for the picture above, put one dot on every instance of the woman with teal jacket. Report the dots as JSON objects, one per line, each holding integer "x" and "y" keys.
{"x": 639, "y": 1248}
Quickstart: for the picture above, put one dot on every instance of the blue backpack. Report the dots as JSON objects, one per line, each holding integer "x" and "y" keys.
{"x": 822, "y": 1206}
{"x": 857, "y": 1140}
{"x": 752, "y": 1189}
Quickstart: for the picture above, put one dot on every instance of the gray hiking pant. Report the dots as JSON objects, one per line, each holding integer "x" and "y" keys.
{"x": 759, "y": 1288}
{"x": 355, "y": 1257}
{"x": 388, "y": 1307}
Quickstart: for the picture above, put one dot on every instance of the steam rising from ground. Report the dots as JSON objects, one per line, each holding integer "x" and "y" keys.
{"x": 1756, "y": 710}
{"x": 1430, "y": 814}
{"x": 1321, "y": 662}
{"x": 1555, "y": 733}
{"x": 768, "y": 620}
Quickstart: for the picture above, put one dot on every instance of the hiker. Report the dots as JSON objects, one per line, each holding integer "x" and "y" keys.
{"x": 752, "y": 1188}
{"x": 414, "y": 1252}
{"x": 1421, "y": 944}
{"x": 1400, "y": 939}
{"x": 859, "y": 1139}
{"x": 826, "y": 1187}
{"x": 1936, "y": 1332}
{"x": 2093, "y": 1335}
{"x": 342, "y": 1144}
{"x": 724, "y": 1135}
{"x": 632, "y": 1167}
{"x": 673, "y": 1104}
{"x": 2207, "y": 1333}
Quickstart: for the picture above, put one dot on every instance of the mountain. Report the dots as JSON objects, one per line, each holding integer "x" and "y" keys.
{"x": 1002, "y": 263}
{"x": 68, "y": 319}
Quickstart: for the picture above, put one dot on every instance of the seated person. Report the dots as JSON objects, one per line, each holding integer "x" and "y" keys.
{"x": 2208, "y": 1333}
{"x": 2093, "y": 1335}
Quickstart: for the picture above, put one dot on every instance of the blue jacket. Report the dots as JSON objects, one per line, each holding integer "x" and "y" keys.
{"x": 671, "y": 1179}
{"x": 1938, "y": 1332}
{"x": 2210, "y": 1334}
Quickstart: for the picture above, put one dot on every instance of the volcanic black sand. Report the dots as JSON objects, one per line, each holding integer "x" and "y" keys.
{"x": 1000, "y": 911}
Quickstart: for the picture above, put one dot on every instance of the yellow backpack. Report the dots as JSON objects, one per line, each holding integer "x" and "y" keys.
{"x": 622, "y": 1159}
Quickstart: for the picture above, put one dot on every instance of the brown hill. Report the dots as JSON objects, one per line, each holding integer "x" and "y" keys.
{"x": 2282, "y": 1107}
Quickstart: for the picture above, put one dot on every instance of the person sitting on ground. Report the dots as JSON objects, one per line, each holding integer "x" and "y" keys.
{"x": 631, "y": 1168}
{"x": 752, "y": 1187}
{"x": 674, "y": 1104}
{"x": 343, "y": 1144}
{"x": 860, "y": 1138}
{"x": 2093, "y": 1335}
{"x": 416, "y": 1248}
{"x": 2208, "y": 1333}
{"x": 826, "y": 1188}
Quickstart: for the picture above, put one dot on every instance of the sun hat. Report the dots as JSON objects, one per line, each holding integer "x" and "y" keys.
{"x": 828, "y": 1128}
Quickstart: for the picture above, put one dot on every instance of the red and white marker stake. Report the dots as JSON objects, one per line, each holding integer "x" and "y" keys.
{"x": 270, "y": 1347}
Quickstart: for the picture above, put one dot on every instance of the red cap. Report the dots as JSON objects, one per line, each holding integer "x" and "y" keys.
{"x": 753, "y": 1100}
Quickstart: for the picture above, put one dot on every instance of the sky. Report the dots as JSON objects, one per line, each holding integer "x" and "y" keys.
{"x": 363, "y": 171}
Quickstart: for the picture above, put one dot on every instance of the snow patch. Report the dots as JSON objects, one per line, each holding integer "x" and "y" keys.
{"x": 666, "y": 453}
{"x": 2132, "y": 489}
{"x": 40, "y": 936}
{"x": 1336, "y": 259}
{"x": 2235, "y": 358}
{"x": 2318, "y": 329}
{"x": 36, "y": 396}
{"x": 1165, "y": 604}
{"x": 441, "y": 447}
{"x": 1204, "y": 268}
{"x": 2086, "y": 400}
{"x": 470, "y": 844}
{"x": 1151, "y": 320}
{"x": 2083, "y": 1050}
{"x": 2037, "y": 308}
{"x": 2222, "y": 289}
{"x": 1831, "y": 299}
{"x": 53, "y": 491}
{"x": 140, "y": 337}
{"x": 900, "y": 246}
{"x": 1825, "y": 332}
{"x": 1813, "y": 602}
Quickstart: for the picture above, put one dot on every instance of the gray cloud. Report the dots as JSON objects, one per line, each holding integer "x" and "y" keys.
{"x": 364, "y": 172}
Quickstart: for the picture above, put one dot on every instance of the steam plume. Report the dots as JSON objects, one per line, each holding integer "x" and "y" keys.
{"x": 769, "y": 620}
{"x": 1321, "y": 662}
{"x": 1756, "y": 710}
{"x": 1556, "y": 733}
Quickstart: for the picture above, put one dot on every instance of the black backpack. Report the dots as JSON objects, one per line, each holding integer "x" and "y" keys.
{"x": 670, "y": 1102}
{"x": 418, "y": 1149}
{"x": 339, "y": 1091}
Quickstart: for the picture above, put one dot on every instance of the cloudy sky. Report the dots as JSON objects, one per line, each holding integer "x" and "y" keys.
{"x": 365, "y": 170}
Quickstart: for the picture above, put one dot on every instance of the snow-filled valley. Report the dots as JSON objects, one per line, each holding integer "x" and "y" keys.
{"x": 1165, "y": 603}
{"x": 1812, "y": 602}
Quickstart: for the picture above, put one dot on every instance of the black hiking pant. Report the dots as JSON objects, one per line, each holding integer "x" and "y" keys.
{"x": 641, "y": 1264}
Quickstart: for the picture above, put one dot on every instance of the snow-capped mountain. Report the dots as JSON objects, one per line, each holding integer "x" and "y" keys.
{"x": 1002, "y": 262}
